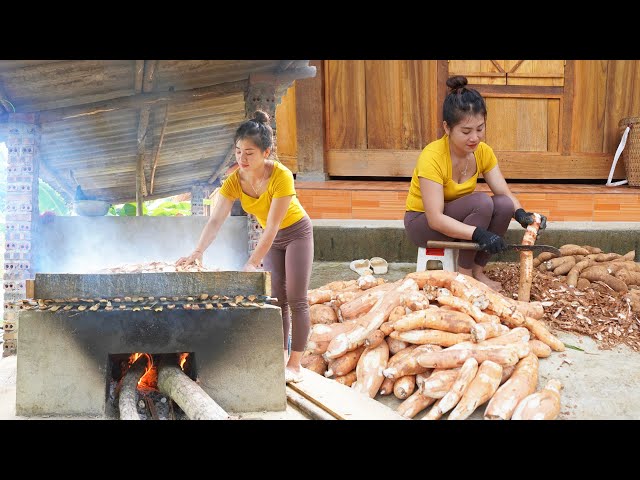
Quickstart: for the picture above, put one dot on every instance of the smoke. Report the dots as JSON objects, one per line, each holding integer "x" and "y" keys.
{"x": 86, "y": 244}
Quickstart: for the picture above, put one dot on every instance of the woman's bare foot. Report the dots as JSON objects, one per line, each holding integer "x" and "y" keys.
{"x": 481, "y": 277}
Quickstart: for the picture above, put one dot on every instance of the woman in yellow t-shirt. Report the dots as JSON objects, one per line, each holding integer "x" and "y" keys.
{"x": 266, "y": 189}
{"x": 442, "y": 203}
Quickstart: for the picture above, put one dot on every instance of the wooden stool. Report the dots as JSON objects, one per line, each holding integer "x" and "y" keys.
{"x": 437, "y": 259}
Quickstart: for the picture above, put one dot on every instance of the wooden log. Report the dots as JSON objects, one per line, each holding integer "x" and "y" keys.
{"x": 127, "y": 401}
{"x": 194, "y": 401}
{"x": 307, "y": 407}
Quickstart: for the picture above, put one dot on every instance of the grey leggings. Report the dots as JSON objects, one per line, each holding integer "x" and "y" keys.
{"x": 478, "y": 209}
{"x": 289, "y": 260}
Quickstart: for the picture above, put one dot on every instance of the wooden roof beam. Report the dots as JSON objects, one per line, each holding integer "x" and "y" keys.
{"x": 142, "y": 99}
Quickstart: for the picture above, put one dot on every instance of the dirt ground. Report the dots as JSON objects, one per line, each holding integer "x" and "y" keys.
{"x": 600, "y": 381}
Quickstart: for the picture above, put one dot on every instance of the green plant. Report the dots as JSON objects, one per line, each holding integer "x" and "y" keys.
{"x": 49, "y": 200}
{"x": 155, "y": 208}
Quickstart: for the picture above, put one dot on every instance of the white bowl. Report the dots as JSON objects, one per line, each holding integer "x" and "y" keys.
{"x": 91, "y": 208}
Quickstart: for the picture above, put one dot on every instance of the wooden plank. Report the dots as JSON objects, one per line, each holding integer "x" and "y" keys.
{"x": 309, "y": 118}
{"x": 416, "y": 108}
{"x": 345, "y": 104}
{"x": 29, "y": 287}
{"x": 343, "y": 402}
{"x": 442, "y": 74}
{"x": 623, "y": 99}
{"x": 553, "y": 125}
{"x": 523, "y": 165}
{"x": 589, "y": 99}
{"x": 384, "y": 104}
{"x": 506, "y": 90}
{"x": 286, "y": 123}
{"x": 306, "y": 406}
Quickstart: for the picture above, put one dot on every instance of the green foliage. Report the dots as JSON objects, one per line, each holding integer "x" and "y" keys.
{"x": 51, "y": 201}
{"x": 155, "y": 208}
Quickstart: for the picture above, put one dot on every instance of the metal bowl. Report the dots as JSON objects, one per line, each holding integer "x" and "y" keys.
{"x": 91, "y": 208}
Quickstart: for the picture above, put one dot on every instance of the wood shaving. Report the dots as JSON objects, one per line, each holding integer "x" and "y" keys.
{"x": 610, "y": 321}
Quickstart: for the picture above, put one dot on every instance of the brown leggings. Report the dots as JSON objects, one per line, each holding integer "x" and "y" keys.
{"x": 478, "y": 209}
{"x": 289, "y": 260}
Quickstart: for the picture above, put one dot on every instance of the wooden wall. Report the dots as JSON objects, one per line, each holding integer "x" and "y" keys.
{"x": 547, "y": 119}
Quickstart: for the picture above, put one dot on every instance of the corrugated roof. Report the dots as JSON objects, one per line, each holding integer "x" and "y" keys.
{"x": 90, "y": 113}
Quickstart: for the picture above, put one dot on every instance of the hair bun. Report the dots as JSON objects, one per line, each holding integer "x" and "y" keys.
{"x": 261, "y": 116}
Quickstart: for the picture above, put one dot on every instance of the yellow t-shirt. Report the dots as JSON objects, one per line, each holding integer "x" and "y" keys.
{"x": 434, "y": 163}
{"x": 280, "y": 185}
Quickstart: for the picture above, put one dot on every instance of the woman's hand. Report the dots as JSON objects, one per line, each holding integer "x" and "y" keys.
{"x": 488, "y": 241}
{"x": 250, "y": 267}
{"x": 526, "y": 218}
{"x": 196, "y": 256}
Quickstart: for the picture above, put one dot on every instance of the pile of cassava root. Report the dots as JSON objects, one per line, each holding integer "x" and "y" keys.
{"x": 603, "y": 303}
{"x": 435, "y": 339}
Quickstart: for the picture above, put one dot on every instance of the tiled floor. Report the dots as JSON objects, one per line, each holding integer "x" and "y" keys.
{"x": 385, "y": 200}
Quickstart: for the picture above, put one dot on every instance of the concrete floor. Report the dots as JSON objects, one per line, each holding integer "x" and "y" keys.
{"x": 598, "y": 384}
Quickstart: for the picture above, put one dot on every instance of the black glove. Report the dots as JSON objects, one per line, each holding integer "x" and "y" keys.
{"x": 526, "y": 218}
{"x": 488, "y": 241}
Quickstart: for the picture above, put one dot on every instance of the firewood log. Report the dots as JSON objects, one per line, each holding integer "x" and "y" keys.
{"x": 523, "y": 382}
{"x": 541, "y": 405}
{"x": 481, "y": 389}
{"x": 194, "y": 401}
{"x": 127, "y": 399}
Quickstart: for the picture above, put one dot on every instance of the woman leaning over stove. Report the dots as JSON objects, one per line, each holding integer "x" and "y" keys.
{"x": 266, "y": 189}
{"x": 442, "y": 203}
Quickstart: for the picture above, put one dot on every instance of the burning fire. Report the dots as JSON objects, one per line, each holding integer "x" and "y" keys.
{"x": 149, "y": 379}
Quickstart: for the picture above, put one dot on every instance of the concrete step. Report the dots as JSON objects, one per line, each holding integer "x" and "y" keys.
{"x": 347, "y": 240}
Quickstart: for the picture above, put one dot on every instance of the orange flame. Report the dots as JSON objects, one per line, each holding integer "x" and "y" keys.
{"x": 183, "y": 359}
{"x": 149, "y": 379}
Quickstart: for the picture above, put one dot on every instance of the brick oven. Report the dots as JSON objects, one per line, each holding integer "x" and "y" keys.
{"x": 76, "y": 327}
